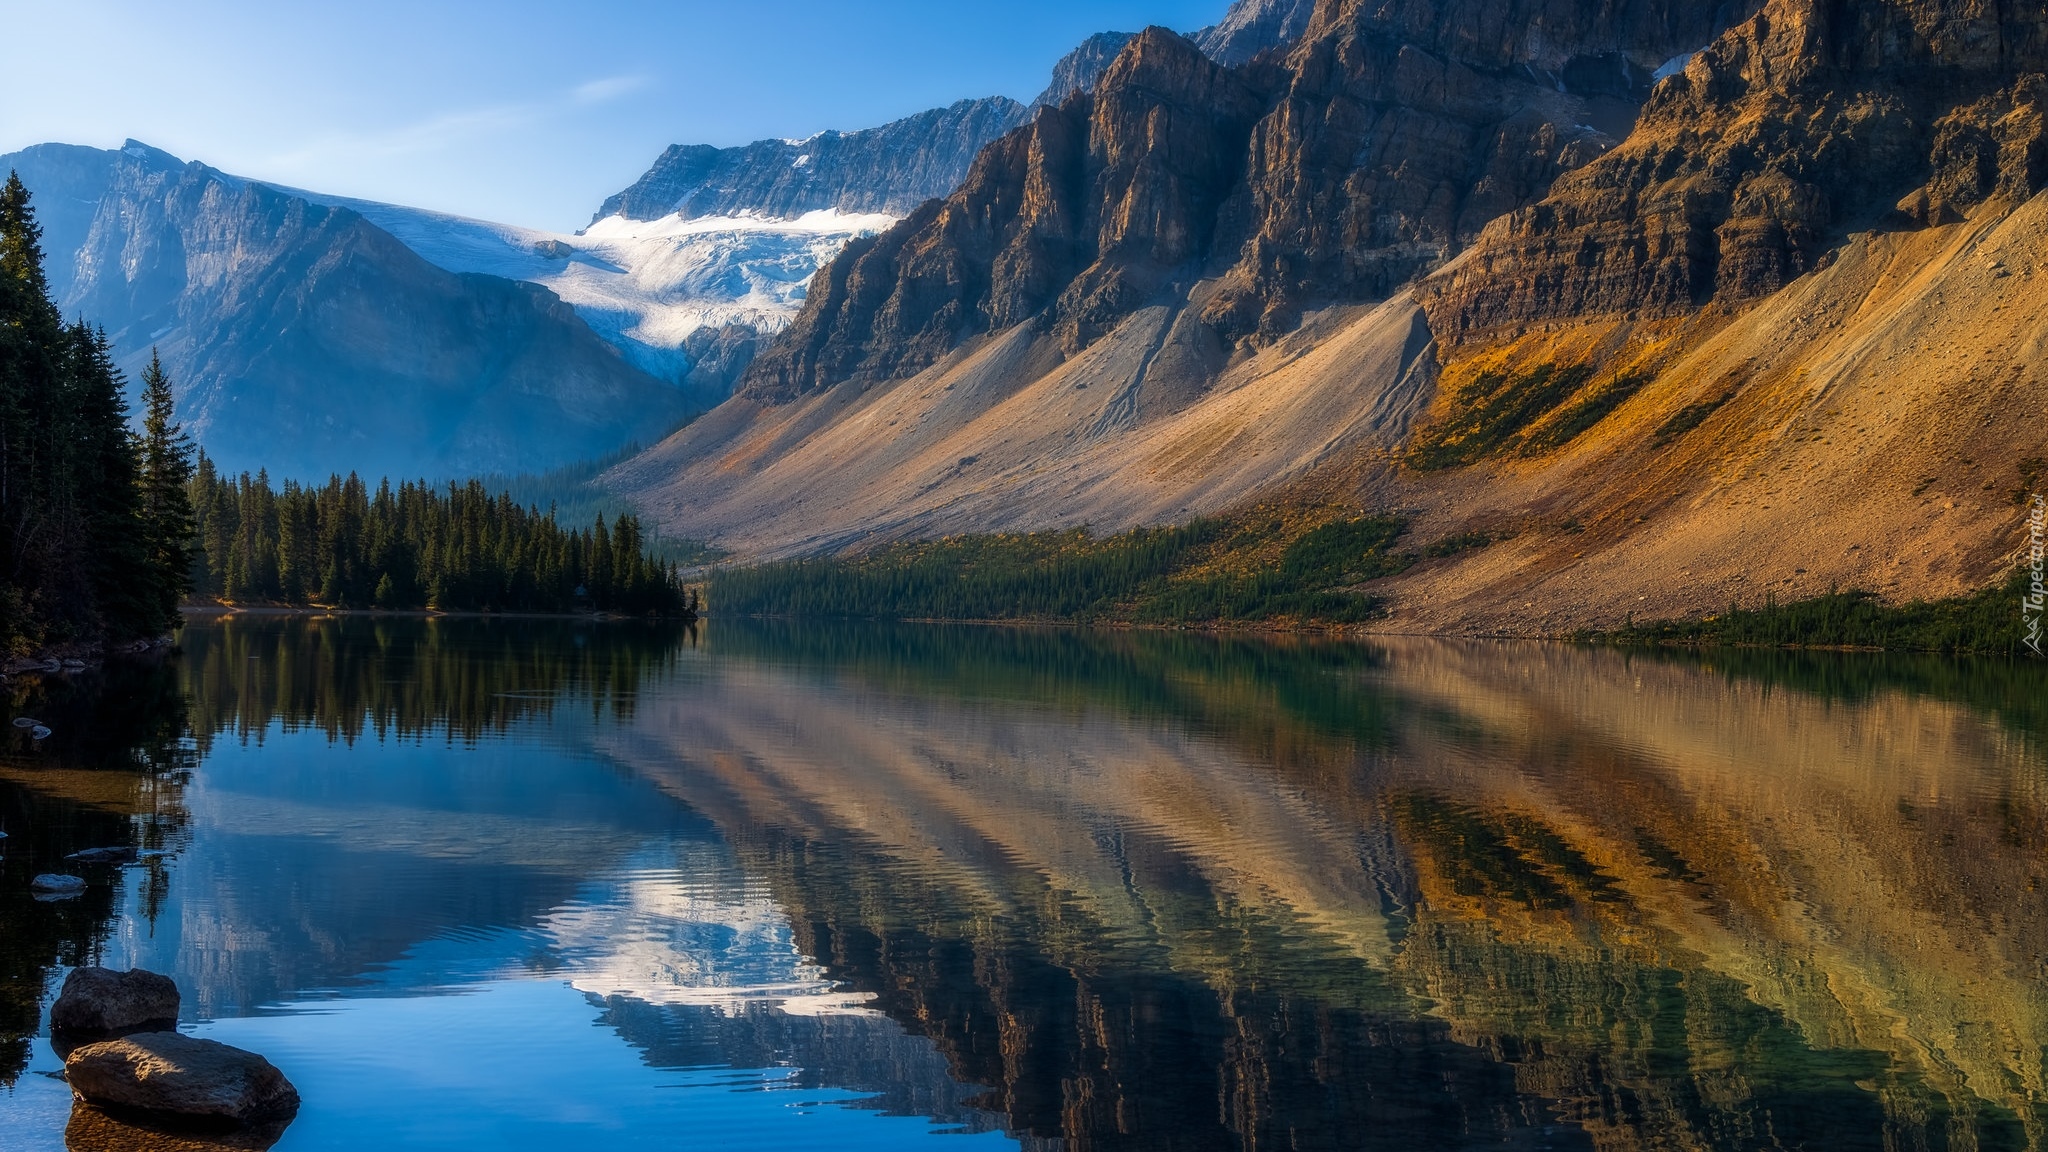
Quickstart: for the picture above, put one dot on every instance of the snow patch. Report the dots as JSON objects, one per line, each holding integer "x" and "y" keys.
{"x": 1672, "y": 67}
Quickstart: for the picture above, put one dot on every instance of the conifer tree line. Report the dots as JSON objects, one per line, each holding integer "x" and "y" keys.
{"x": 415, "y": 546}
{"x": 95, "y": 527}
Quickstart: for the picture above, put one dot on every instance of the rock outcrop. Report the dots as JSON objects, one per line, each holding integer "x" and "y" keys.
{"x": 1804, "y": 122}
{"x": 171, "y": 1075}
{"x": 101, "y": 1004}
{"x": 891, "y": 169}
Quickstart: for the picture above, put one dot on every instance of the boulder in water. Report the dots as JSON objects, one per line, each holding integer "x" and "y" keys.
{"x": 26, "y": 722}
{"x": 171, "y": 1075}
{"x": 56, "y": 884}
{"x": 102, "y": 1004}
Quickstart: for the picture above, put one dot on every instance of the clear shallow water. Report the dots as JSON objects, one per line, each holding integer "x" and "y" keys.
{"x": 541, "y": 886}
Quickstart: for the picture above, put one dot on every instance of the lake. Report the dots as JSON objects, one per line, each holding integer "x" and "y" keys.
{"x": 555, "y": 885}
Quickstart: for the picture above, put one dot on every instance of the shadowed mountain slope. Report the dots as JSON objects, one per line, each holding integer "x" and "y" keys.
{"x": 306, "y": 340}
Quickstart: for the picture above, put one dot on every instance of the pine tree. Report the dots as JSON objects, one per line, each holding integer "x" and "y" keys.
{"x": 169, "y": 528}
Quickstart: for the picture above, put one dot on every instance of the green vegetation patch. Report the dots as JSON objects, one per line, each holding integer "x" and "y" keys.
{"x": 1987, "y": 623}
{"x": 1687, "y": 418}
{"x": 1208, "y": 571}
{"x": 1583, "y": 414}
{"x": 1492, "y": 412}
{"x": 1463, "y": 542}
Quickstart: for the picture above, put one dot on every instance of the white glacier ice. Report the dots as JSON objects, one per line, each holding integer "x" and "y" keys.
{"x": 644, "y": 285}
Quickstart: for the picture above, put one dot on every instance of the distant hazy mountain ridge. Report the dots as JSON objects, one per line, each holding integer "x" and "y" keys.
{"x": 891, "y": 169}
{"x": 304, "y": 339}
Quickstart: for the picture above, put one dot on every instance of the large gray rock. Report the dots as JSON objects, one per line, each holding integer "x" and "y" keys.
{"x": 101, "y": 1004}
{"x": 169, "y": 1074}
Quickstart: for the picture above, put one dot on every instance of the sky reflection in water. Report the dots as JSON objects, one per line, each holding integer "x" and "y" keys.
{"x": 490, "y": 885}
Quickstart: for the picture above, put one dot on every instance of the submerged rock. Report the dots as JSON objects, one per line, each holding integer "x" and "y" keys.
{"x": 56, "y": 884}
{"x": 102, "y": 1004}
{"x": 92, "y": 1130}
{"x": 26, "y": 722}
{"x": 102, "y": 856}
{"x": 171, "y": 1075}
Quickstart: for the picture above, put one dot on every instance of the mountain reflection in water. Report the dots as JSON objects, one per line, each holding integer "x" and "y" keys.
{"x": 1126, "y": 890}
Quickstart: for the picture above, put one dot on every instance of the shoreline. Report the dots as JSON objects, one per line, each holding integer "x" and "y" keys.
{"x": 411, "y": 613}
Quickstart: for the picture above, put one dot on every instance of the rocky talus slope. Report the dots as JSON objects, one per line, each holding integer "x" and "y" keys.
{"x": 1676, "y": 306}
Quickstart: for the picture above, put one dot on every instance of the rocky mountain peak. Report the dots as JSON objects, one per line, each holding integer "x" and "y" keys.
{"x": 1079, "y": 70}
{"x": 1802, "y": 122}
{"x": 891, "y": 169}
{"x": 1252, "y": 27}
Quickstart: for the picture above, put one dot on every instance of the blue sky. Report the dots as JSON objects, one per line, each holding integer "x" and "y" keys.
{"x": 525, "y": 111}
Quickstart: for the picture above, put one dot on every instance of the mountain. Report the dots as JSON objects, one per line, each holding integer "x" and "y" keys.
{"x": 891, "y": 169}
{"x": 1253, "y": 26}
{"x": 662, "y": 291}
{"x": 760, "y": 219}
{"x": 1684, "y": 304}
{"x": 304, "y": 339}
{"x": 1079, "y": 70}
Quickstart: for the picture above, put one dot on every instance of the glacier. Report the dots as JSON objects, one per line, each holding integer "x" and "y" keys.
{"x": 643, "y": 285}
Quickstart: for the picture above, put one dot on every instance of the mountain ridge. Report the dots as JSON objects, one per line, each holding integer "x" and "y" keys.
{"x": 1338, "y": 339}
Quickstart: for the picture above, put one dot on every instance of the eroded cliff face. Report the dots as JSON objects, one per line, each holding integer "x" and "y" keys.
{"x": 1084, "y": 214}
{"x": 1804, "y": 122}
{"x": 1387, "y": 140}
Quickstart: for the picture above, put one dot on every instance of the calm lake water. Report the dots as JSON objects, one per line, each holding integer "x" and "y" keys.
{"x": 537, "y": 885}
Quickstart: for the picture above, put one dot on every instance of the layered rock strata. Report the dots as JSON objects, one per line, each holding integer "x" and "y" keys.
{"x": 1805, "y": 121}
{"x": 1387, "y": 140}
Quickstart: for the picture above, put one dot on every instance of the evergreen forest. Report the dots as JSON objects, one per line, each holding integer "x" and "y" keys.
{"x": 95, "y": 530}
{"x": 1270, "y": 566}
{"x": 414, "y": 547}
{"x": 105, "y": 530}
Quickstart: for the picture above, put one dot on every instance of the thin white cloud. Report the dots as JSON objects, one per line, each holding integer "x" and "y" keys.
{"x": 610, "y": 88}
{"x": 448, "y": 130}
